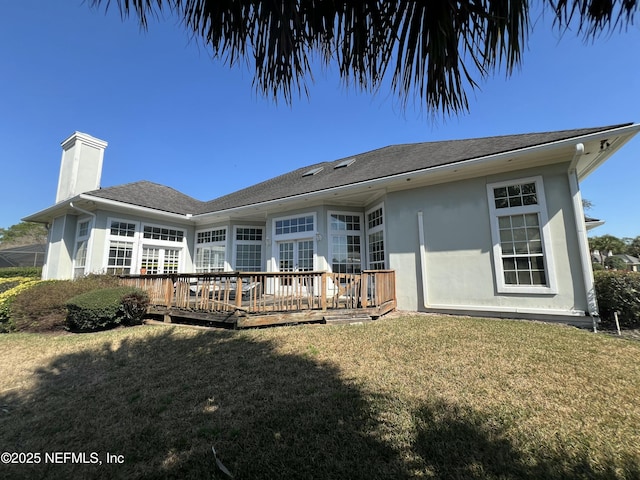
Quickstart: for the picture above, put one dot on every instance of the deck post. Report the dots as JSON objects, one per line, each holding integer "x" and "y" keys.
{"x": 238, "y": 291}
{"x": 168, "y": 292}
{"x": 323, "y": 291}
{"x": 364, "y": 290}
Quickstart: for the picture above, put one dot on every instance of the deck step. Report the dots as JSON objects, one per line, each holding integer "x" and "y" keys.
{"x": 346, "y": 319}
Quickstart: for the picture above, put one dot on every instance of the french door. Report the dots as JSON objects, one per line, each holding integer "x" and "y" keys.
{"x": 160, "y": 260}
{"x": 295, "y": 256}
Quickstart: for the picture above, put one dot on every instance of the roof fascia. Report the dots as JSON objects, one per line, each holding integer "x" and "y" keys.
{"x": 629, "y": 130}
{"x": 136, "y": 208}
{"x": 43, "y": 216}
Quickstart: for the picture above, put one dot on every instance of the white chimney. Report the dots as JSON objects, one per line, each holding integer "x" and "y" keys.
{"x": 81, "y": 165}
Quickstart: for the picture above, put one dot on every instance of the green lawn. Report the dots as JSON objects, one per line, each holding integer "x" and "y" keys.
{"x": 422, "y": 397}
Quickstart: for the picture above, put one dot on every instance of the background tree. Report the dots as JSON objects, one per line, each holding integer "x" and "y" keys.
{"x": 23, "y": 233}
{"x": 633, "y": 248}
{"x": 605, "y": 244}
{"x": 430, "y": 49}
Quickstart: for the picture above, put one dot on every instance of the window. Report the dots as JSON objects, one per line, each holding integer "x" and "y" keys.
{"x": 345, "y": 233}
{"x": 522, "y": 256}
{"x": 162, "y": 233}
{"x": 248, "y": 245}
{"x": 123, "y": 229}
{"x": 120, "y": 257}
{"x": 375, "y": 239}
{"x": 82, "y": 245}
{"x": 211, "y": 248}
{"x": 294, "y": 225}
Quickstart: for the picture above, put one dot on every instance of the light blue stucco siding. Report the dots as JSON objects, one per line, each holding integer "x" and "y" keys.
{"x": 458, "y": 261}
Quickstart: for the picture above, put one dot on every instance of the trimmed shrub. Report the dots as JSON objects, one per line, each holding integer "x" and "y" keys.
{"x": 619, "y": 291}
{"x": 42, "y": 308}
{"x": 101, "y": 309}
{"x": 134, "y": 306}
{"x": 31, "y": 272}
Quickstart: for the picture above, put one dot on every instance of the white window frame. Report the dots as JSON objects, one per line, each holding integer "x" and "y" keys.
{"x": 376, "y": 229}
{"x": 87, "y": 240}
{"x": 237, "y": 242}
{"x": 295, "y": 236}
{"x": 163, "y": 245}
{"x": 545, "y": 231}
{"x": 344, "y": 233}
{"x": 218, "y": 243}
{"x": 134, "y": 241}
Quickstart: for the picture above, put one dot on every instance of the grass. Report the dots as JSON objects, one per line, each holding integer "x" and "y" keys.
{"x": 411, "y": 397}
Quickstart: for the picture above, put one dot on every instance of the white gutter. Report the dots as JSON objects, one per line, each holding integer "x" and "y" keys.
{"x": 581, "y": 231}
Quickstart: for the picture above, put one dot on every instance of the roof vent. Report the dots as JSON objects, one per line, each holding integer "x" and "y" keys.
{"x": 345, "y": 163}
{"x": 313, "y": 171}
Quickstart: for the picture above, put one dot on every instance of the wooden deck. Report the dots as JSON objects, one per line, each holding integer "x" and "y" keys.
{"x": 257, "y": 299}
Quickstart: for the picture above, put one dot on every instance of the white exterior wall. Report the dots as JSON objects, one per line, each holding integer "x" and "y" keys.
{"x": 458, "y": 261}
{"x": 59, "y": 263}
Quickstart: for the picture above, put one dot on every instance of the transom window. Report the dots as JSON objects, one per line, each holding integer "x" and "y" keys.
{"x": 520, "y": 231}
{"x": 249, "y": 233}
{"x": 123, "y": 229}
{"x": 374, "y": 218}
{"x": 515, "y": 195}
{"x": 217, "y": 235}
{"x": 162, "y": 233}
{"x": 294, "y": 225}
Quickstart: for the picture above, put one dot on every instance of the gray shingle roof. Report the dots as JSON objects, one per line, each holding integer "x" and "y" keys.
{"x": 375, "y": 164}
{"x": 385, "y": 162}
{"x": 150, "y": 195}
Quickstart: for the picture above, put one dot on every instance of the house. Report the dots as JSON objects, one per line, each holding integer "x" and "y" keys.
{"x": 486, "y": 226}
{"x": 632, "y": 263}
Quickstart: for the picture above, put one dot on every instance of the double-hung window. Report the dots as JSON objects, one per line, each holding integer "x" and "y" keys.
{"x": 345, "y": 233}
{"x": 520, "y": 233}
{"x": 211, "y": 246}
{"x": 82, "y": 247}
{"x": 122, "y": 236}
{"x": 248, "y": 248}
{"x": 375, "y": 238}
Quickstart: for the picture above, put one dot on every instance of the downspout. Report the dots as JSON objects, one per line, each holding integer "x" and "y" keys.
{"x": 583, "y": 243}
{"x": 93, "y": 223}
{"x": 423, "y": 259}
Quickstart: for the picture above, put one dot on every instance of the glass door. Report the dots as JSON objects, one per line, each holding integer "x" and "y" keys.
{"x": 295, "y": 256}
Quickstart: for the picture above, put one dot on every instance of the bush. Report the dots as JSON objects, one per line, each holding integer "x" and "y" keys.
{"x": 101, "y": 309}
{"x": 9, "y": 289}
{"x": 615, "y": 263}
{"x": 619, "y": 291}
{"x": 43, "y": 308}
{"x": 31, "y": 272}
{"x": 134, "y": 306}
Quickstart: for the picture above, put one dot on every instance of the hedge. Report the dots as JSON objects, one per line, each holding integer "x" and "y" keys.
{"x": 619, "y": 291}
{"x": 106, "y": 308}
{"x": 31, "y": 272}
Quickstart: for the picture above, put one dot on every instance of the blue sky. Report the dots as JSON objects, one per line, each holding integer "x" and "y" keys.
{"x": 174, "y": 116}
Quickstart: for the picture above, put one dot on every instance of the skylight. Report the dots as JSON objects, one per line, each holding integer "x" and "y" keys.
{"x": 345, "y": 163}
{"x": 313, "y": 171}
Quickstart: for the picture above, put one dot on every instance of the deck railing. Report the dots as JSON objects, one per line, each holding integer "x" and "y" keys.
{"x": 262, "y": 292}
